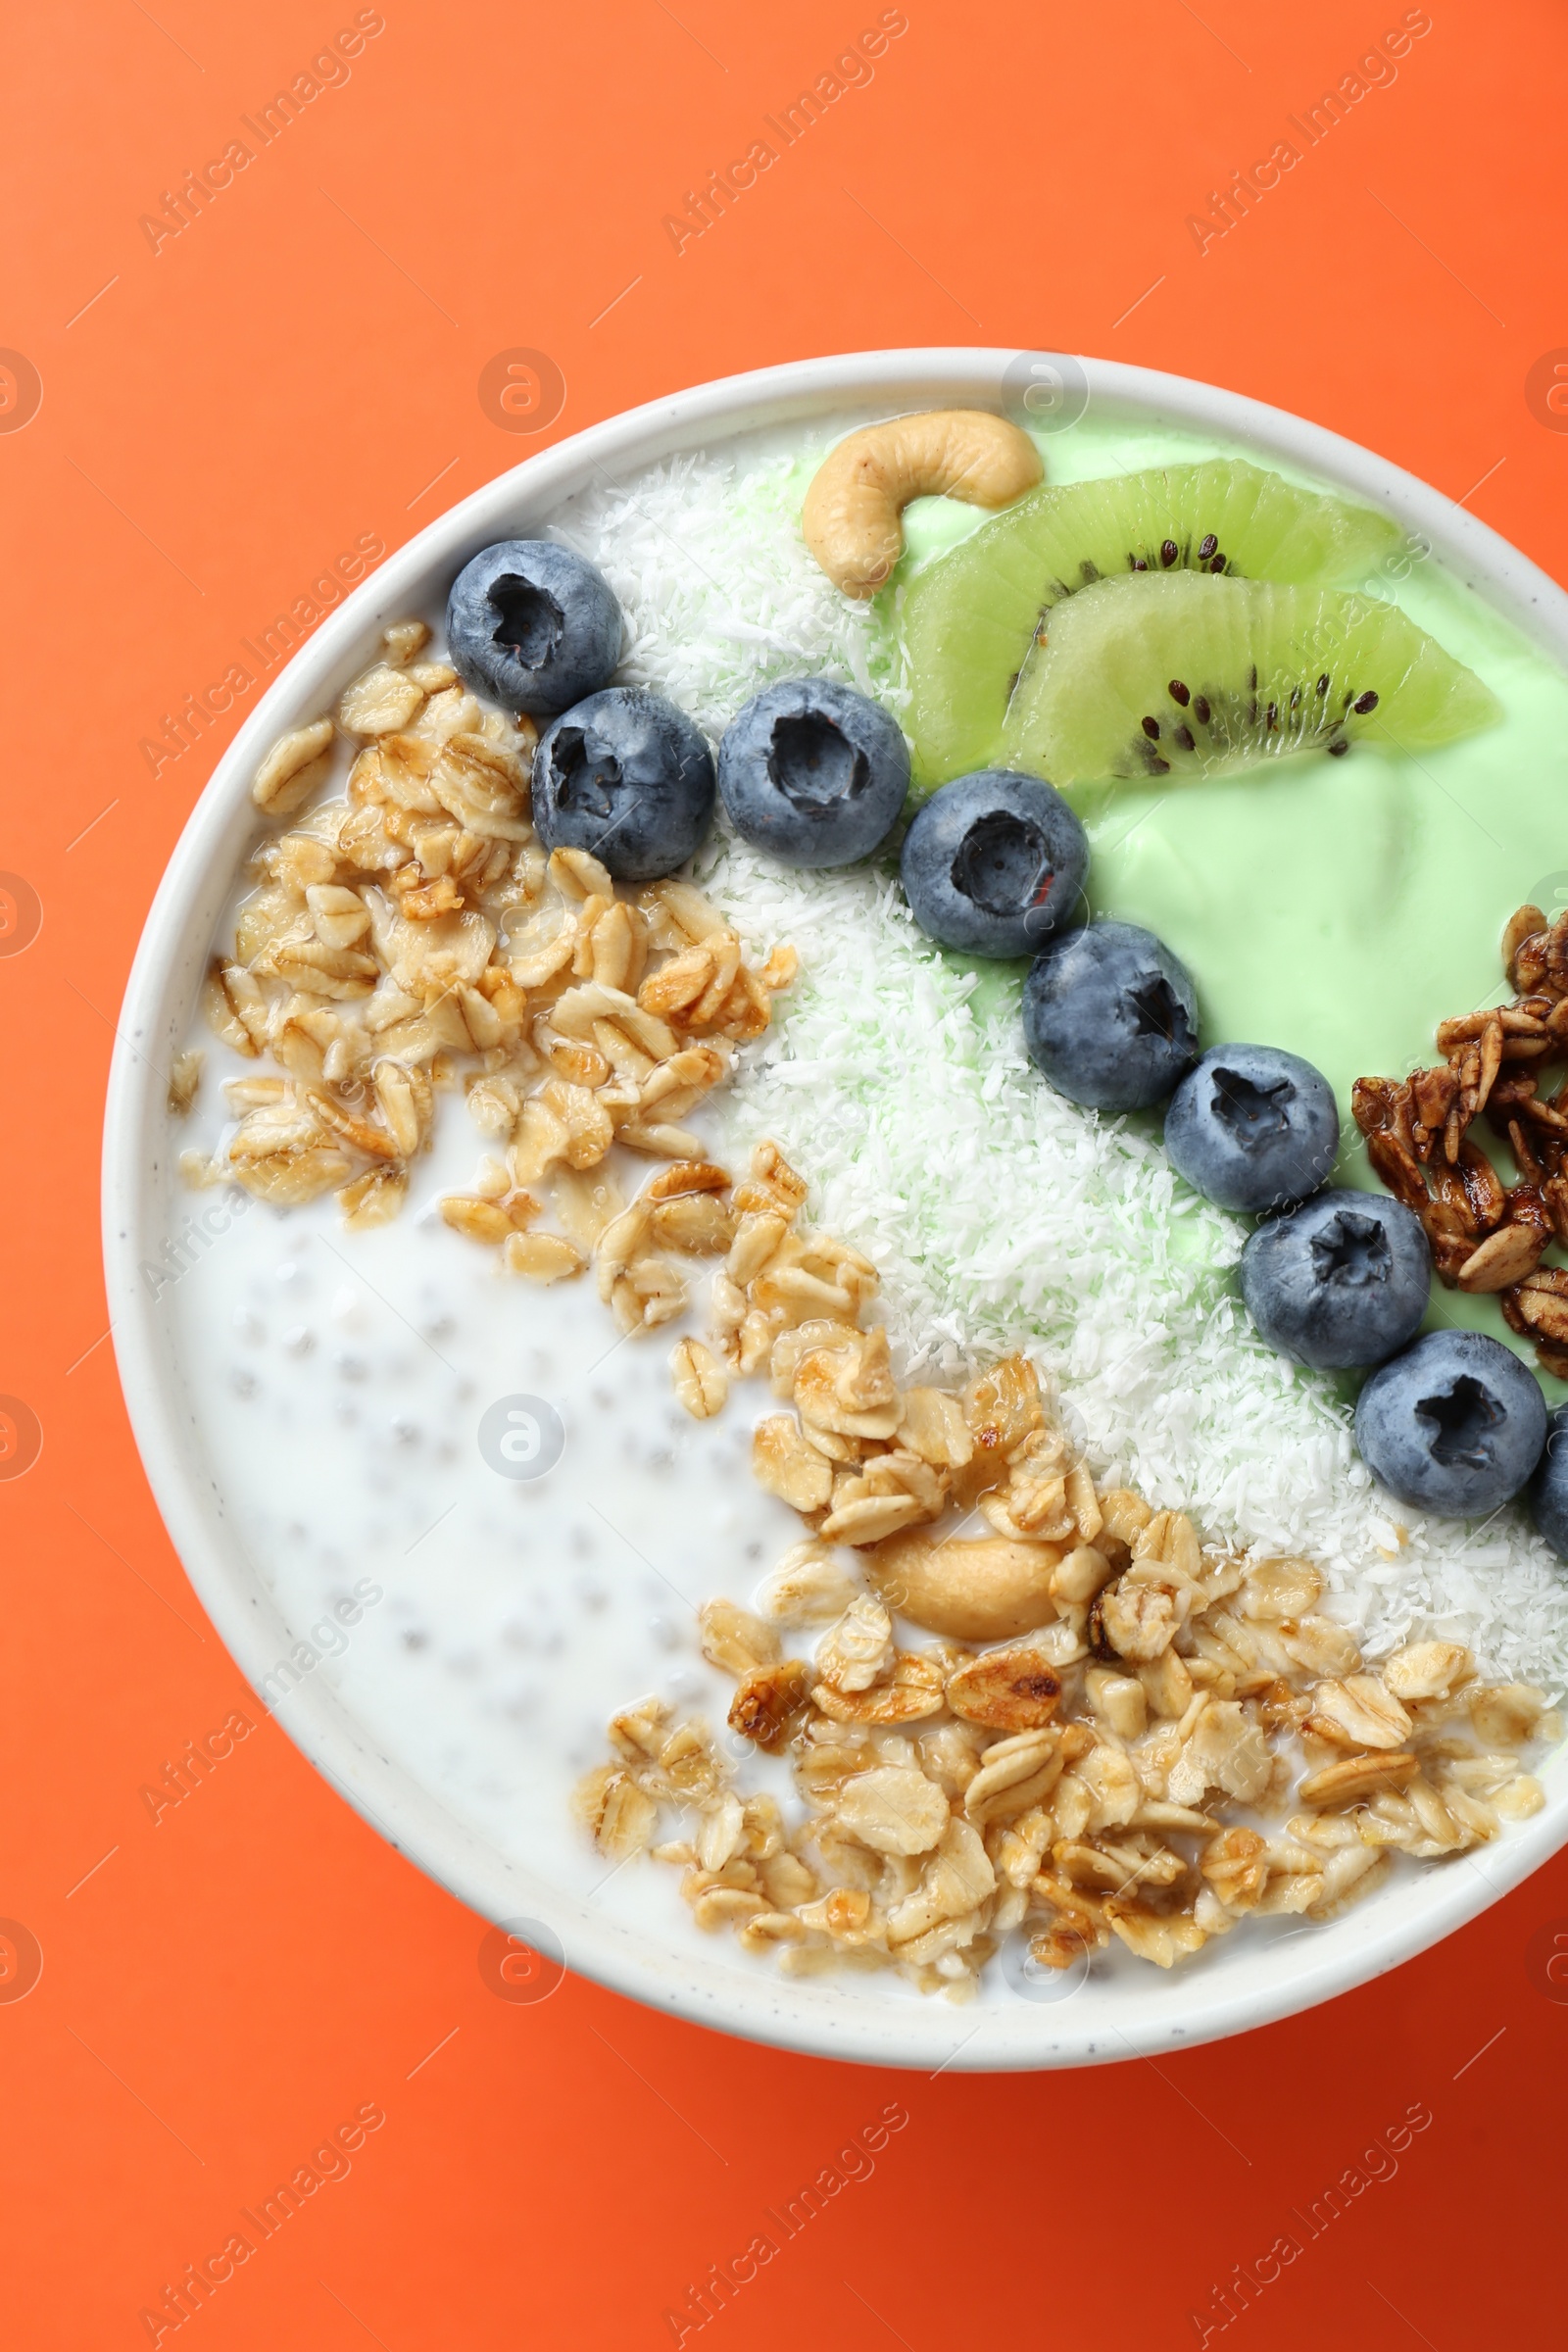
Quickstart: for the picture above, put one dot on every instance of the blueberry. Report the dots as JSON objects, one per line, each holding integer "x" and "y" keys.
{"x": 627, "y": 775}
{"x": 994, "y": 863}
{"x": 1253, "y": 1128}
{"x": 1340, "y": 1282}
{"x": 1456, "y": 1425}
{"x": 533, "y": 626}
{"x": 813, "y": 773}
{"x": 1548, "y": 1488}
{"x": 1109, "y": 1016}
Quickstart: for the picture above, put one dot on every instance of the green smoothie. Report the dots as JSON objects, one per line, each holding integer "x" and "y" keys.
{"x": 1338, "y": 907}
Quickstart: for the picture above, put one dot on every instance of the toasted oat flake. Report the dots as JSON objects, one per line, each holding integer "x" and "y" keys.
{"x": 858, "y": 1651}
{"x": 373, "y": 1198}
{"x": 735, "y": 1640}
{"x": 785, "y": 1465}
{"x": 770, "y": 1702}
{"x": 542, "y": 1257}
{"x": 380, "y": 702}
{"x": 1426, "y": 1669}
{"x": 894, "y": 1809}
{"x": 808, "y": 1586}
{"x": 401, "y": 640}
{"x": 185, "y": 1081}
{"x": 1360, "y": 1712}
{"x": 293, "y": 767}
{"x": 698, "y": 1378}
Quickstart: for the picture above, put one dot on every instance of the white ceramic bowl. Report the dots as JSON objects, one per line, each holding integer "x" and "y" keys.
{"x": 1250, "y": 1980}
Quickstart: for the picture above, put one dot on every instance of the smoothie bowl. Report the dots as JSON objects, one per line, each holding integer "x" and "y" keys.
{"x": 761, "y": 1244}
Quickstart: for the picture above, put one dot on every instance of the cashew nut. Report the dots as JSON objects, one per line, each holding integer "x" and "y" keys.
{"x": 853, "y": 512}
{"x": 971, "y": 1592}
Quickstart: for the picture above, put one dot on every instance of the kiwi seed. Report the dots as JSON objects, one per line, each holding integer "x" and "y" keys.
{"x": 1365, "y": 701}
{"x": 1179, "y": 693}
{"x": 1200, "y": 710}
{"x": 1167, "y": 552}
{"x": 1151, "y": 729}
{"x": 1206, "y": 547}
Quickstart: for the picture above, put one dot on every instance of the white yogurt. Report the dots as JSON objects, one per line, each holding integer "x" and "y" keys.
{"x": 338, "y": 1381}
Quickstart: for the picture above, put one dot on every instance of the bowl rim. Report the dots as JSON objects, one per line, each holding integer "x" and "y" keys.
{"x": 812, "y": 2017}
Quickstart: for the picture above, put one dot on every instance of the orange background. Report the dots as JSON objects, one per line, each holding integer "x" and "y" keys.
{"x": 218, "y": 419}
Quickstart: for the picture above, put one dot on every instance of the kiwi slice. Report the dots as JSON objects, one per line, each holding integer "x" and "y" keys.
{"x": 1188, "y": 677}
{"x": 972, "y": 618}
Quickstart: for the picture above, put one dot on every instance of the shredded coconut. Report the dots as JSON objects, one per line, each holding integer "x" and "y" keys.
{"x": 998, "y": 1215}
{"x": 719, "y": 593}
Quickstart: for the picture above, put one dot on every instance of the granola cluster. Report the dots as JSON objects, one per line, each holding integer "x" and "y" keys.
{"x": 949, "y": 1797}
{"x": 1486, "y": 1235}
{"x": 413, "y": 932}
{"x": 1106, "y": 1739}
